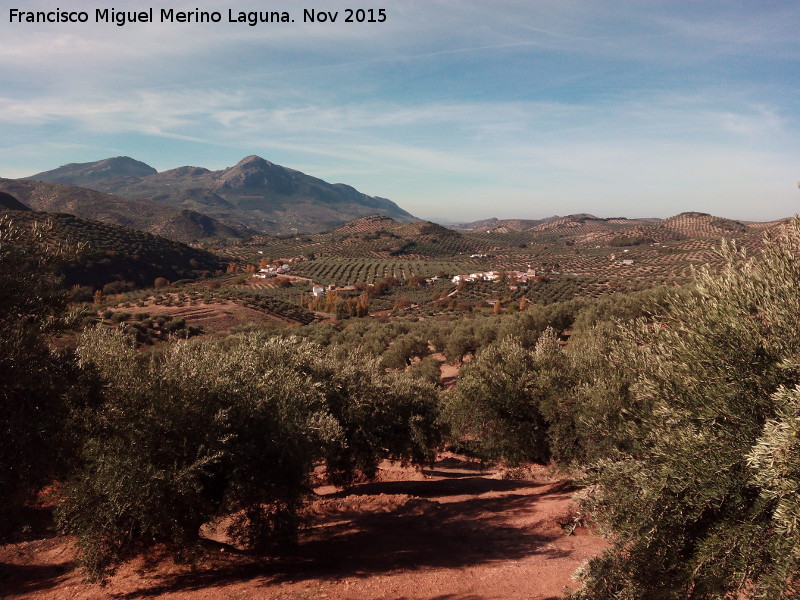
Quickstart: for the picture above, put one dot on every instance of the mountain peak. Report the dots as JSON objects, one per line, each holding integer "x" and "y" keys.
{"x": 84, "y": 174}
{"x": 124, "y": 162}
{"x": 253, "y": 161}
{"x": 254, "y": 172}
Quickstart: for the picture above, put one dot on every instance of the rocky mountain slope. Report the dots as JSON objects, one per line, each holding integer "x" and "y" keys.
{"x": 254, "y": 193}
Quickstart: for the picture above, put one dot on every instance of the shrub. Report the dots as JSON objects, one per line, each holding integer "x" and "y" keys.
{"x": 211, "y": 433}
{"x": 403, "y": 349}
{"x": 118, "y": 287}
{"x": 428, "y": 370}
{"x": 35, "y": 381}
{"x": 707, "y": 507}
{"x": 227, "y": 427}
{"x": 381, "y": 416}
{"x": 81, "y": 294}
{"x": 591, "y": 411}
{"x": 175, "y": 325}
{"x": 497, "y": 401}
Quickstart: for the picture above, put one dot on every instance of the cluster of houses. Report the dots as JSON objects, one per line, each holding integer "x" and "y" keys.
{"x": 318, "y": 290}
{"x": 268, "y": 272}
{"x": 518, "y": 276}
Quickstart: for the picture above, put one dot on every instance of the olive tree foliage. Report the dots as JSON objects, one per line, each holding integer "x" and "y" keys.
{"x": 382, "y": 416}
{"x": 231, "y": 428}
{"x": 428, "y": 370}
{"x": 775, "y": 465}
{"x": 541, "y": 403}
{"x": 590, "y": 409}
{"x": 403, "y": 350}
{"x": 498, "y": 400}
{"x": 706, "y": 505}
{"x": 33, "y": 407}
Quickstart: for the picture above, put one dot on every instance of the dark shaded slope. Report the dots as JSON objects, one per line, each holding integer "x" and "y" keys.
{"x": 8, "y": 202}
{"x": 115, "y": 253}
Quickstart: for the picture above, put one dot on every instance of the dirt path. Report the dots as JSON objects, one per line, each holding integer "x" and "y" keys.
{"x": 452, "y": 532}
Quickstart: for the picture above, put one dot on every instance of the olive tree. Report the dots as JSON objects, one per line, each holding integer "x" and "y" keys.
{"x": 33, "y": 408}
{"x": 706, "y": 505}
{"x": 498, "y": 401}
{"x": 227, "y": 428}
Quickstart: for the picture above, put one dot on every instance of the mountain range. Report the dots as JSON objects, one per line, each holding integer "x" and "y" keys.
{"x": 254, "y": 195}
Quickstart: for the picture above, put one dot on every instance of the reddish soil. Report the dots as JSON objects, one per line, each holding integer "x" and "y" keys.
{"x": 448, "y": 373}
{"x": 451, "y": 532}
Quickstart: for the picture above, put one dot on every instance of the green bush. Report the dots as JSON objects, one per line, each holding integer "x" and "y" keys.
{"x": 403, "y": 349}
{"x": 381, "y": 416}
{"x": 35, "y": 381}
{"x": 428, "y": 370}
{"x": 706, "y": 506}
{"x": 234, "y": 427}
{"x": 591, "y": 411}
{"x": 498, "y": 403}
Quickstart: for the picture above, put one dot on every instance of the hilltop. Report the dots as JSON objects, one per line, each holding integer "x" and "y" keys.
{"x": 371, "y": 236}
{"x": 255, "y": 193}
{"x": 495, "y": 224}
{"x": 86, "y": 174}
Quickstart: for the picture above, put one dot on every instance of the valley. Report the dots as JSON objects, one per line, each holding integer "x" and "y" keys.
{"x": 421, "y": 408}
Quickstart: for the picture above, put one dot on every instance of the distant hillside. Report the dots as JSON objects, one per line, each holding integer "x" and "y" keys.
{"x": 366, "y": 224}
{"x": 254, "y": 193}
{"x": 569, "y": 222}
{"x": 507, "y": 224}
{"x": 121, "y": 254}
{"x": 378, "y": 236}
{"x": 180, "y": 225}
{"x": 618, "y": 232}
{"x": 700, "y": 225}
{"x": 370, "y": 236}
{"x": 575, "y": 255}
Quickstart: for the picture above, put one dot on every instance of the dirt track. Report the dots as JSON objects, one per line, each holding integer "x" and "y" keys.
{"x": 452, "y": 532}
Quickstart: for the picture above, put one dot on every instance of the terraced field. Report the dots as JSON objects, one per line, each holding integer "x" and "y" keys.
{"x": 280, "y": 304}
{"x": 220, "y": 316}
{"x": 348, "y": 271}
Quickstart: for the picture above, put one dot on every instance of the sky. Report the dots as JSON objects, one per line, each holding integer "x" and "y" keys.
{"x": 456, "y": 110}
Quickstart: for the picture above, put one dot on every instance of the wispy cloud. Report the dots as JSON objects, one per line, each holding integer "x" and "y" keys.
{"x": 579, "y": 102}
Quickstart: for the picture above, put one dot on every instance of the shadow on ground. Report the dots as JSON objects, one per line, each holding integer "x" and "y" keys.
{"x": 27, "y": 579}
{"x": 418, "y": 534}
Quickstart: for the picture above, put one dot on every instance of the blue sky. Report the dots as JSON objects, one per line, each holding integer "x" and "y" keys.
{"x": 453, "y": 109}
